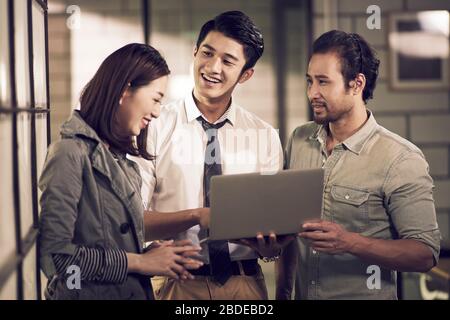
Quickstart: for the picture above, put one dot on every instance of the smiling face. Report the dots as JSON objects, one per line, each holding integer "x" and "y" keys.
{"x": 139, "y": 106}
{"x": 218, "y": 64}
{"x": 330, "y": 99}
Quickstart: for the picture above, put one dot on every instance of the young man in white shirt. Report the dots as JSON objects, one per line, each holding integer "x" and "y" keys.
{"x": 206, "y": 134}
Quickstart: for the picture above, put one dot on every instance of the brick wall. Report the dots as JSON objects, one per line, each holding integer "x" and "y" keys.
{"x": 76, "y": 54}
{"x": 422, "y": 117}
{"x": 60, "y": 71}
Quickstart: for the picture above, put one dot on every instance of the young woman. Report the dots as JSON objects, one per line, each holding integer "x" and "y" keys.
{"x": 93, "y": 225}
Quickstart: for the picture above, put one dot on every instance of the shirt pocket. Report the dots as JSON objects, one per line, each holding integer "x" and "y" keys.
{"x": 350, "y": 207}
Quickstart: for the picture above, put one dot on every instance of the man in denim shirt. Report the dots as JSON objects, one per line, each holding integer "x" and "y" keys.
{"x": 378, "y": 209}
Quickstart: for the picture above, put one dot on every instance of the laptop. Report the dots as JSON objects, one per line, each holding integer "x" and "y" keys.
{"x": 244, "y": 204}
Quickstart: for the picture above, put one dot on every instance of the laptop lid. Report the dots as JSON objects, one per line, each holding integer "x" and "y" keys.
{"x": 244, "y": 204}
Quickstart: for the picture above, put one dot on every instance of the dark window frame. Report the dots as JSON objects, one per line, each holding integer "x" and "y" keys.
{"x": 24, "y": 245}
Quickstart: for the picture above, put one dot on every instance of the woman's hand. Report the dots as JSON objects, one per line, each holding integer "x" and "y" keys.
{"x": 167, "y": 258}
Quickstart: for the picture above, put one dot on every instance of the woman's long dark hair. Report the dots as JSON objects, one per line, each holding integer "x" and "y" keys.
{"x": 135, "y": 64}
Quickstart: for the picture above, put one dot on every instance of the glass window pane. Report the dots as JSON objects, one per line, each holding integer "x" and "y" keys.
{"x": 9, "y": 290}
{"x": 24, "y": 156}
{"x": 29, "y": 275}
{"x": 7, "y": 219}
{"x": 22, "y": 53}
{"x": 5, "y": 88}
{"x": 41, "y": 144}
{"x": 39, "y": 62}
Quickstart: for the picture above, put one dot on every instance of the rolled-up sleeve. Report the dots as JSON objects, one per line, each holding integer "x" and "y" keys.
{"x": 61, "y": 186}
{"x": 409, "y": 201}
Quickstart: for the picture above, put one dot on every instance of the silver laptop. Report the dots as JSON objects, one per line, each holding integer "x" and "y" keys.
{"x": 244, "y": 204}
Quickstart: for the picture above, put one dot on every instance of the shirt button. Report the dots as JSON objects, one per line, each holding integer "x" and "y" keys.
{"x": 313, "y": 282}
{"x": 347, "y": 196}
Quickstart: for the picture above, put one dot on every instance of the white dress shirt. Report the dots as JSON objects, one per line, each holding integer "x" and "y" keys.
{"x": 174, "y": 180}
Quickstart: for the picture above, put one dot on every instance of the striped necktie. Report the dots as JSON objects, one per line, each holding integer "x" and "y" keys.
{"x": 219, "y": 254}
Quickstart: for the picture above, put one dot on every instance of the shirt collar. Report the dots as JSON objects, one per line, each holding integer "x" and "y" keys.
{"x": 354, "y": 143}
{"x": 192, "y": 112}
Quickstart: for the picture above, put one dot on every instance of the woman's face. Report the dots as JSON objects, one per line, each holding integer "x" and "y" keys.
{"x": 139, "y": 106}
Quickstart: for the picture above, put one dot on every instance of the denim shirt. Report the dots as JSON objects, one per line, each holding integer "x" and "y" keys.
{"x": 376, "y": 184}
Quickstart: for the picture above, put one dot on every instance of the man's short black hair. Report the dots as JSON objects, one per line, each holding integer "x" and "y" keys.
{"x": 355, "y": 54}
{"x": 238, "y": 26}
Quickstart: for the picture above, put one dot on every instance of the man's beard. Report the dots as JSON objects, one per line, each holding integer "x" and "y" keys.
{"x": 323, "y": 121}
{"x": 330, "y": 116}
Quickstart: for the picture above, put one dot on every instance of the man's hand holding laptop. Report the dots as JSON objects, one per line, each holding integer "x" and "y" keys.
{"x": 267, "y": 246}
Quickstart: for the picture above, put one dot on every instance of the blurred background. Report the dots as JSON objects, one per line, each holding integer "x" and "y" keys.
{"x": 50, "y": 50}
